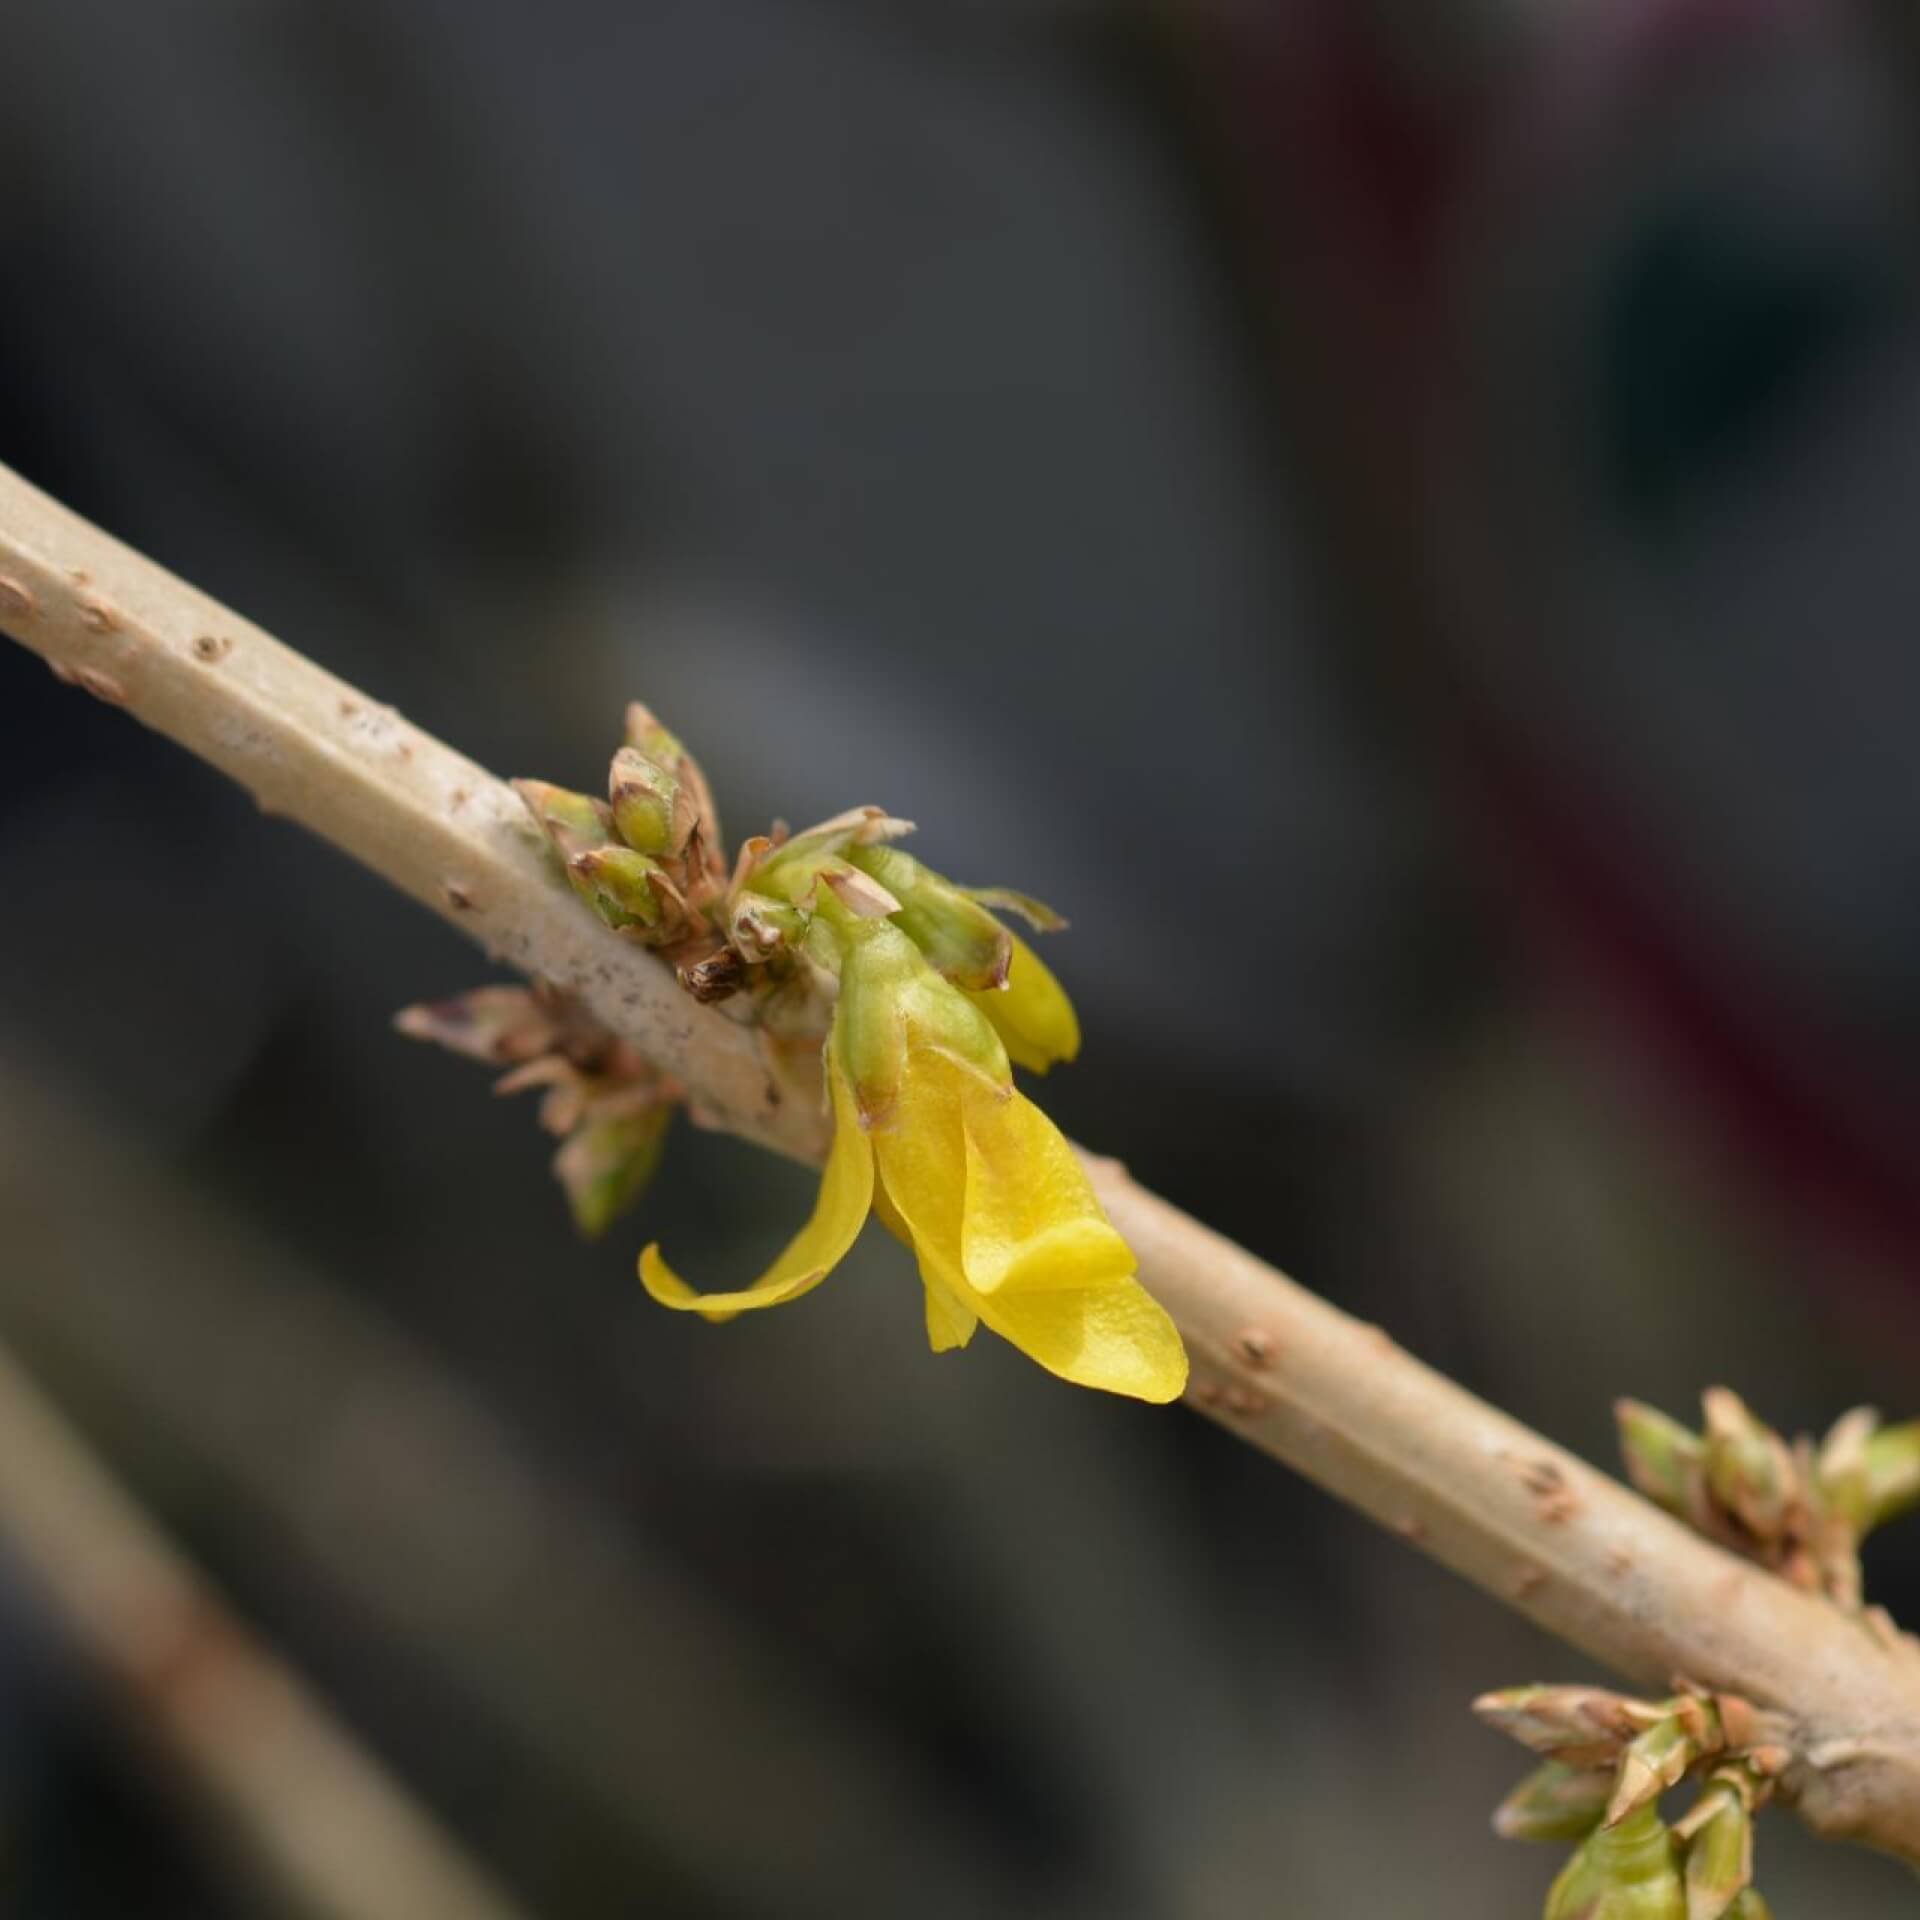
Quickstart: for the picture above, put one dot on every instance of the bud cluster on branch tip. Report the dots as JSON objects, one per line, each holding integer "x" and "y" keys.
{"x": 1612, "y": 1759}
{"x": 1800, "y": 1508}
{"x": 904, "y": 1002}
{"x": 609, "y": 1107}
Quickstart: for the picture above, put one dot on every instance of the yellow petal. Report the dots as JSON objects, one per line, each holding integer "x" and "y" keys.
{"x": 1115, "y": 1336}
{"x": 1031, "y": 1013}
{"x": 920, "y": 1155}
{"x": 846, "y": 1192}
{"x": 1065, "y": 1292}
{"x": 1030, "y": 1219}
{"x": 950, "y": 1323}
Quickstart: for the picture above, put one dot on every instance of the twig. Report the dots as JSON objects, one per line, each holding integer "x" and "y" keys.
{"x": 326, "y": 1829}
{"x": 1575, "y": 1551}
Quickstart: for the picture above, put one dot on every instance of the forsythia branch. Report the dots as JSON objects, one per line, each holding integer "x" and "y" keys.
{"x": 1569, "y": 1547}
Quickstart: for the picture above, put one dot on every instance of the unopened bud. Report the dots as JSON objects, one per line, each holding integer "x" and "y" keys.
{"x": 499, "y": 1025}
{"x": 646, "y": 734}
{"x": 1893, "y": 1473}
{"x": 1749, "y": 1467}
{"x": 759, "y": 926}
{"x": 1665, "y": 1460}
{"x": 654, "y": 742}
{"x": 574, "y": 822}
{"x": 607, "y": 1163}
{"x": 626, "y": 889}
{"x": 892, "y": 1002}
{"x": 1650, "y": 1765}
{"x": 654, "y": 811}
{"x": 964, "y": 942}
{"x": 1626, "y": 1872}
{"x": 1841, "y": 1469}
{"x": 1554, "y": 1803}
{"x": 1720, "y": 1852}
{"x": 1750, "y": 1906}
{"x": 1579, "y": 1726}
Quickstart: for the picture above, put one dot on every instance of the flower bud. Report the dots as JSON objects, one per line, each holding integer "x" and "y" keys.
{"x": 573, "y": 822}
{"x": 626, "y": 889}
{"x": 1626, "y": 1872}
{"x": 1554, "y": 1803}
{"x": 501, "y": 1026}
{"x": 1842, "y": 1474}
{"x": 1720, "y": 1852}
{"x": 607, "y": 1163}
{"x": 1750, "y": 1906}
{"x": 648, "y": 738}
{"x": 1579, "y": 1726}
{"x": 1749, "y": 1466}
{"x": 892, "y": 1001}
{"x": 759, "y": 926}
{"x": 1893, "y": 1473}
{"x": 645, "y": 734}
{"x": 964, "y": 942}
{"x": 654, "y": 812}
{"x": 1665, "y": 1460}
{"x": 1650, "y": 1765}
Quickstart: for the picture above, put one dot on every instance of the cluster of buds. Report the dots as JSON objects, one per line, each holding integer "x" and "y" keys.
{"x": 608, "y": 1107}
{"x": 1609, "y": 1760}
{"x": 899, "y": 996}
{"x": 647, "y": 859}
{"x": 1800, "y": 1508}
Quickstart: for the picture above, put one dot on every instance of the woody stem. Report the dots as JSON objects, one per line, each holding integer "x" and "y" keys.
{"x": 1571, "y": 1548}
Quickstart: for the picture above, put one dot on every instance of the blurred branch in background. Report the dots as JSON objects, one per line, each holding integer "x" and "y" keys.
{"x": 327, "y": 1833}
{"x": 236, "y": 1368}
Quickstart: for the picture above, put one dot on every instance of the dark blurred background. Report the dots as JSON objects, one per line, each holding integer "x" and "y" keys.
{"x": 1397, "y": 517}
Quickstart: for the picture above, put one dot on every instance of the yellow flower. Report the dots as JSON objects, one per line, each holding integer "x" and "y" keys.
{"x": 1031, "y": 1014}
{"x": 930, "y": 1133}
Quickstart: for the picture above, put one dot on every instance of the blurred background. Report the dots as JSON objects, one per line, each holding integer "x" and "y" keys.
{"x": 1397, "y": 517}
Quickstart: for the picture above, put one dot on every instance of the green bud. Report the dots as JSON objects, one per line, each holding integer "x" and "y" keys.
{"x": 758, "y": 926}
{"x": 646, "y": 735}
{"x": 1750, "y": 1906}
{"x": 654, "y": 742}
{"x": 573, "y": 822}
{"x": 1626, "y": 1872}
{"x": 1720, "y": 1853}
{"x": 623, "y": 887}
{"x": 1650, "y": 1765}
{"x": 607, "y": 1163}
{"x": 1579, "y": 1726}
{"x": 1554, "y": 1803}
{"x": 964, "y": 942}
{"x": 892, "y": 1002}
{"x": 1893, "y": 1473}
{"x": 1841, "y": 1472}
{"x": 1665, "y": 1460}
{"x": 653, "y": 811}
{"x": 1749, "y": 1466}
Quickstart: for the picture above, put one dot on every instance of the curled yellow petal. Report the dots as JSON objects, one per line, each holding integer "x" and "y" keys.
{"x": 1115, "y": 1336}
{"x": 1006, "y": 1229}
{"x": 1030, "y": 1219}
{"x": 1031, "y": 1013}
{"x": 846, "y": 1192}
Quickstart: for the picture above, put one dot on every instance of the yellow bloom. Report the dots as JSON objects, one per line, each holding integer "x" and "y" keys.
{"x": 1031, "y": 1014}
{"x": 930, "y": 1133}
